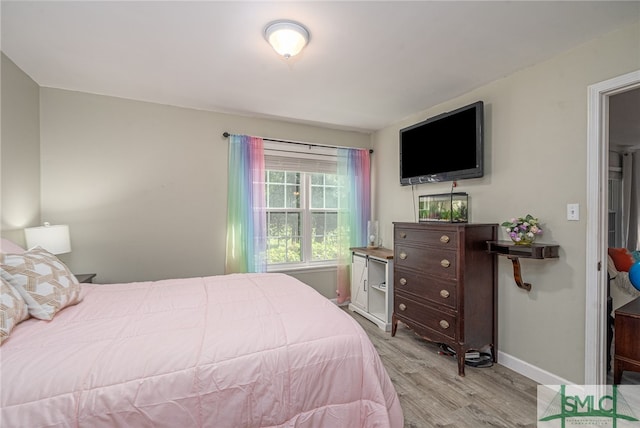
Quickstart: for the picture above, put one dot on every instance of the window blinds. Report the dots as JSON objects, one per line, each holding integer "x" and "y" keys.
{"x": 289, "y": 157}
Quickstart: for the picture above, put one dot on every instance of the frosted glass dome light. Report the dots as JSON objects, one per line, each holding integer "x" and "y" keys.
{"x": 287, "y": 38}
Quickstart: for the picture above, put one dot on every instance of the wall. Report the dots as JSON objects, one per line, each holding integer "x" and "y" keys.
{"x": 19, "y": 152}
{"x": 535, "y": 154}
{"x": 143, "y": 186}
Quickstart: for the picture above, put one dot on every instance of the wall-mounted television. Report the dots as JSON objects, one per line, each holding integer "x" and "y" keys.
{"x": 446, "y": 147}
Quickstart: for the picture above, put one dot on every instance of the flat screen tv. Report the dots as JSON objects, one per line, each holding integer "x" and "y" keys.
{"x": 446, "y": 147}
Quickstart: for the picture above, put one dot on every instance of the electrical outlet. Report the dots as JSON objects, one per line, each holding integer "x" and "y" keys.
{"x": 573, "y": 212}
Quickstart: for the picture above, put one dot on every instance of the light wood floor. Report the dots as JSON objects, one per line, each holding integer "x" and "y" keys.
{"x": 628, "y": 377}
{"x": 433, "y": 395}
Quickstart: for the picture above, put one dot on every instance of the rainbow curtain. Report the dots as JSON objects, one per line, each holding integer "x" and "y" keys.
{"x": 354, "y": 210}
{"x": 246, "y": 213}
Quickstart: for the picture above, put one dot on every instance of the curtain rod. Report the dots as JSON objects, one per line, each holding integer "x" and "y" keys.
{"x": 225, "y": 134}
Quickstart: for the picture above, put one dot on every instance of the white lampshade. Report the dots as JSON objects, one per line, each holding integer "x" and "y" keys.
{"x": 287, "y": 38}
{"x": 55, "y": 239}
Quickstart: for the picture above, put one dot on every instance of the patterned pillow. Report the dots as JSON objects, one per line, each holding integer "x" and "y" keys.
{"x": 44, "y": 282}
{"x": 13, "y": 309}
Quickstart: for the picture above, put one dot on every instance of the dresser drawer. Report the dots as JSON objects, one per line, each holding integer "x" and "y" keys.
{"x": 437, "y": 321}
{"x": 439, "y": 291}
{"x": 433, "y": 261}
{"x": 447, "y": 238}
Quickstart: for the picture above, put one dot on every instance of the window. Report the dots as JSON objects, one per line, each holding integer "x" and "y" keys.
{"x": 302, "y": 217}
{"x": 302, "y": 208}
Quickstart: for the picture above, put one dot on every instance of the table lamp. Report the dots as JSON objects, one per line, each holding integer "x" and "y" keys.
{"x": 53, "y": 238}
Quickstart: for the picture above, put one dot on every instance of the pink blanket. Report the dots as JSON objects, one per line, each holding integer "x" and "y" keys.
{"x": 245, "y": 350}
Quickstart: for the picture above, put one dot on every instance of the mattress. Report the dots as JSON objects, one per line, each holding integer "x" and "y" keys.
{"x": 241, "y": 350}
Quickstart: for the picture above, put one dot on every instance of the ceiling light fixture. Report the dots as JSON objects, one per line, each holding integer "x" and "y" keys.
{"x": 287, "y": 38}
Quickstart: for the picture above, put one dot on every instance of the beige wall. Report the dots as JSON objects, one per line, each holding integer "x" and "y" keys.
{"x": 536, "y": 145}
{"x": 143, "y": 186}
{"x": 20, "y": 152}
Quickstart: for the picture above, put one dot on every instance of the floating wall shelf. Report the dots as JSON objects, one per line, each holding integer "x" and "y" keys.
{"x": 516, "y": 252}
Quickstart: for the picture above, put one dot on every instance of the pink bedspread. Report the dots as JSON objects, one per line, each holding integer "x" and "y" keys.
{"x": 253, "y": 350}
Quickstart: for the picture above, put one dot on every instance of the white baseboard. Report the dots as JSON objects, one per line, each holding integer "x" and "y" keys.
{"x": 537, "y": 374}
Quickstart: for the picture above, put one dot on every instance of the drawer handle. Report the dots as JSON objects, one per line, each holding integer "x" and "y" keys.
{"x": 402, "y": 306}
{"x": 403, "y": 235}
{"x": 445, "y": 263}
{"x": 403, "y": 281}
{"x": 403, "y": 255}
{"x": 444, "y": 239}
{"x": 444, "y": 293}
{"x": 444, "y": 324}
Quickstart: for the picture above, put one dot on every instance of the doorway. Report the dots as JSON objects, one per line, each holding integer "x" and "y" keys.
{"x": 597, "y": 205}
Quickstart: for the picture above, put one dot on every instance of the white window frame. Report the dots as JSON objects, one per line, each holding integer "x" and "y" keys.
{"x": 305, "y": 159}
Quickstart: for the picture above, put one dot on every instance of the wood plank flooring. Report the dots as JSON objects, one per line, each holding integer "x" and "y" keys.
{"x": 628, "y": 377}
{"x": 433, "y": 395}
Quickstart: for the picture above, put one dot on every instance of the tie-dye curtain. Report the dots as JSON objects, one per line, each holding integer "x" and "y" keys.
{"x": 354, "y": 210}
{"x": 246, "y": 214}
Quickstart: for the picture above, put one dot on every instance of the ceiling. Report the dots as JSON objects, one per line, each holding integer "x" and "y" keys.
{"x": 368, "y": 64}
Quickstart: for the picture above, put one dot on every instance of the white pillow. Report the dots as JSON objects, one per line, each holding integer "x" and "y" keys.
{"x": 43, "y": 281}
{"x": 13, "y": 309}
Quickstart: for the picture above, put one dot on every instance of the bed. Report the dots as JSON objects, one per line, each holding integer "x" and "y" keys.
{"x": 242, "y": 350}
{"x": 622, "y": 291}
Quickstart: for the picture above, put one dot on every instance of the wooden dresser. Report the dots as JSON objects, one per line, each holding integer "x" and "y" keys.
{"x": 445, "y": 284}
{"x": 626, "y": 345}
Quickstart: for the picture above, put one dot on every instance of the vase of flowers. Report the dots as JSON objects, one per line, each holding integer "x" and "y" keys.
{"x": 523, "y": 230}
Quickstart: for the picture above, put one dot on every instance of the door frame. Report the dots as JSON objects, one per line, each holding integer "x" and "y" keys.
{"x": 597, "y": 201}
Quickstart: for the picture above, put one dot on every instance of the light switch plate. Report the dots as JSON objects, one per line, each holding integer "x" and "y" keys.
{"x": 573, "y": 212}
